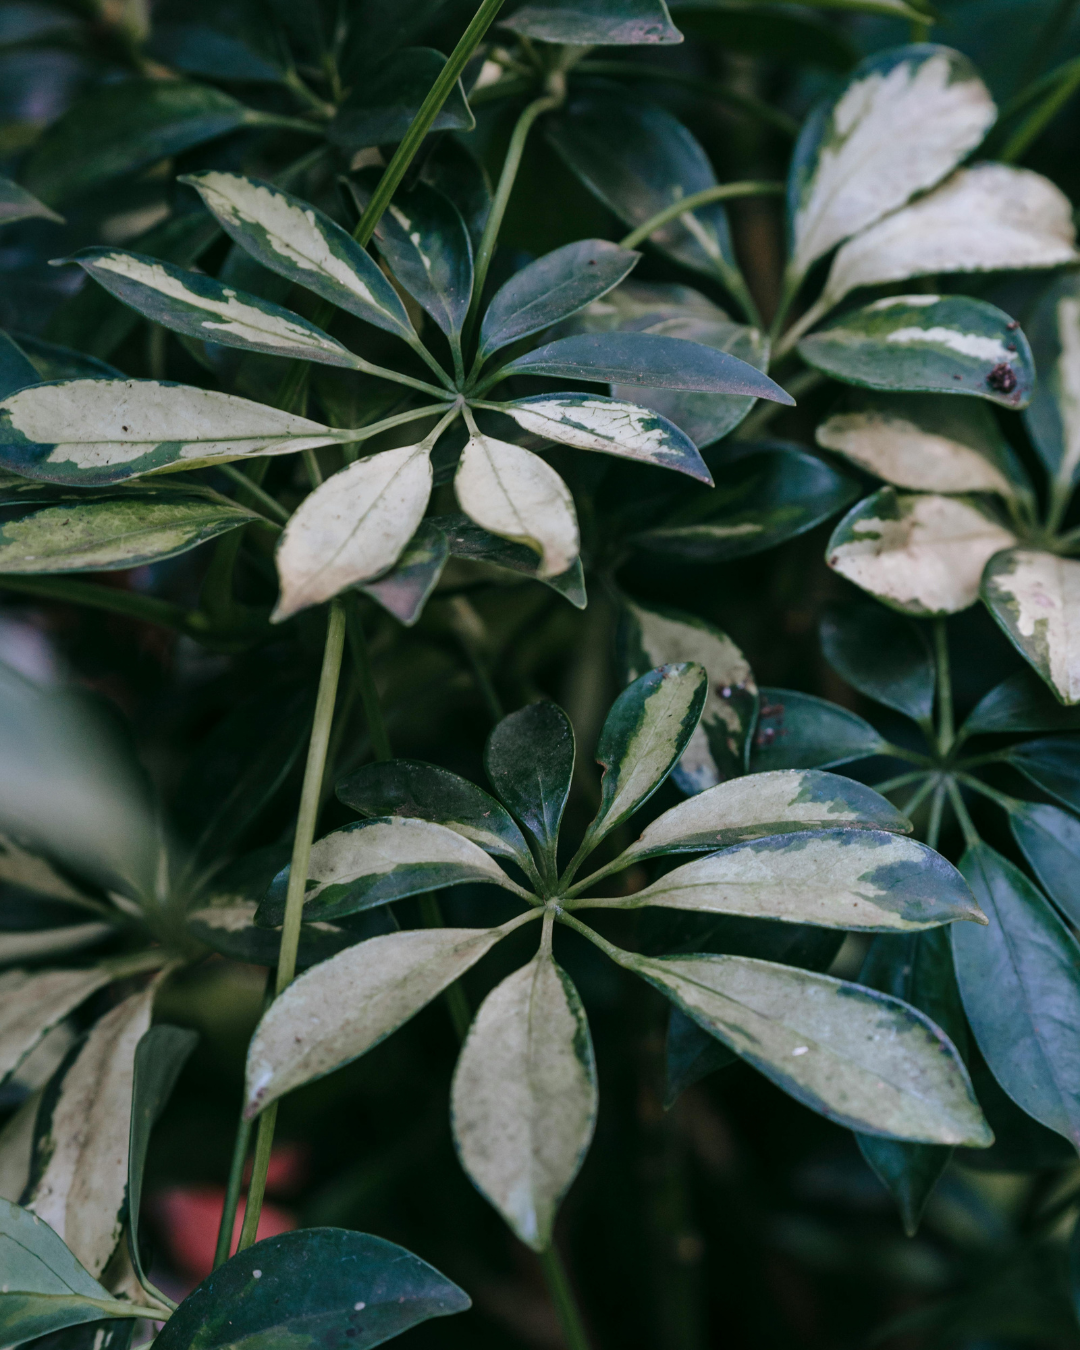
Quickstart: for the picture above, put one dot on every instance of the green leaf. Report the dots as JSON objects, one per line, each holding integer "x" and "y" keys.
{"x": 924, "y": 441}
{"x": 647, "y": 360}
{"x": 1034, "y": 597}
{"x": 160, "y": 1055}
{"x": 292, "y": 238}
{"x": 54, "y": 362}
{"x": 16, "y": 369}
{"x": 918, "y": 969}
{"x": 514, "y": 493}
{"x": 863, "y": 880}
{"x": 381, "y": 105}
{"x": 798, "y": 731}
{"x": 1053, "y": 764}
{"x": 18, "y": 204}
{"x": 32, "y": 1004}
{"x": 919, "y": 554}
{"x": 927, "y": 344}
{"x": 407, "y": 787}
{"x": 44, "y": 531}
{"x": 88, "y": 432}
{"x": 353, "y": 527}
{"x": 317, "y": 1285}
{"x": 590, "y": 422}
{"x": 780, "y": 802}
{"x": 989, "y": 218}
{"x": 1050, "y": 840}
{"x": 423, "y": 239}
{"x": 371, "y": 862}
{"x": 198, "y": 49}
{"x": 847, "y": 171}
{"x": 882, "y": 655}
{"x": 777, "y": 34}
{"x": 471, "y": 541}
{"x": 639, "y": 159}
{"x": 452, "y": 169}
{"x": 1020, "y": 703}
{"x": 407, "y": 587}
{"x": 529, "y": 759}
{"x": 206, "y": 309}
{"x": 650, "y": 636}
{"x": 524, "y": 1098}
{"x": 1020, "y": 982}
{"x": 858, "y": 1057}
{"x": 122, "y": 127}
{"x": 552, "y": 288}
{"x": 1053, "y": 416}
{"x": 231, "y": 931}
{"x": 763, "y": 496}
{"x": 648, "y": 728}
{"x": 584, "y": 22}
{"x": 337, "y": 1011}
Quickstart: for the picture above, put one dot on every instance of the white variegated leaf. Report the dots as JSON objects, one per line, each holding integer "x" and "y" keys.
{"x": 1035, "y": 596}
{"x": 989, "y": 218}
{"x": 33, "y": 944}
{"x": 30, "y": 1005}
{"x": 80, "y": 1190}
{"x": 905, "y": 120}
{"x": 1053, "y": 416}
{"x": 516, "y": 494}
{"x": 863, "y": 1059}
{"x": 919, "y": 554}
{"x": 524, "y": 1097}
{"x": 349, "y": 1003}
{"x": 353, "y": 527}
{"x": 29, "y": 872}
{"x": 102, "y": 431}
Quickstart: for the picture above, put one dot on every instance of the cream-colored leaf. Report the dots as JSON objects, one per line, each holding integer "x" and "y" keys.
{"x": 34, "y": 944}
{"x": 32, "y": 873}
{"x": 353, "y": 527}
{"x": 989, "y": 218}
{"x": 1035, "y": 597}
{"x": 524, "y": 1097}
{"x": 514, "y": 493}
{"x": 923, "y": 555}
{"x": 345, "y": 1005}
{"x": 30, "y": 1005}
{"x": 898, "y": 128}
{"x": 17, "y": 1149}
{"x": 80, "y": 1192}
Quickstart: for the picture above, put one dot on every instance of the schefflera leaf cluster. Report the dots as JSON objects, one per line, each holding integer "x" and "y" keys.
{"x": 356, "y": 526}
{"x": 808, "y": 848}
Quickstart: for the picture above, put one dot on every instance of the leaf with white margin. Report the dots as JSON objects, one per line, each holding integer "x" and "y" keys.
{"x": 863, "y": 1059}
{"x": 31, "y": 1005}
{"x": 924, "y": 441}
{"x": 1035, "y": 597}
{"x": 590, "y": 422}
{"x": 81, "y": 1189}
{"x": 33, "y": 944}
{"x": 88, "y": 432}
{"x": 863, "y": 879}
{"x": 524, "y": 1098}
{"x": 341, "y": 1008}
{"x": 371, "y": 862}
{"x": 778, "y": 802}
{"x": 514, "y": 493}
{"x": 919, "y": 554}
{"x": 292, "y": 238}
{"x": 650, "y": 636}
{"x": 1053, "y": 416}
{"x": 927, "y": 344}
{"x": 988, "y": 218}
{"x": 851, "y": 167}
{"x": 353, "y": 527}
{"x": 207, "y": 309}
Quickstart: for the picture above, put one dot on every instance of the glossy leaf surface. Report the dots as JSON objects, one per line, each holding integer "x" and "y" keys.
{"x": 881, "y": 654}
{"x": 1021, "y": 703}
{"x": 471, "y": 541}
{"x": 380, "y": 106}
{"x": 1050, "y": 840}
{"x": 1053, "y": 764}
{"x": 1034, "y": 597}
{"x": 529, "y": 759}
{"x": 32, "y": 1004}
{"x": 799, "y": 731}
{"x": 407, "y": 587}
{"x": 1053, "y": 416}
{"x": 424, "y": 240}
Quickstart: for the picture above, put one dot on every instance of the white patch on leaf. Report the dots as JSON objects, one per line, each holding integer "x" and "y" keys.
{"x": 1068, "y": 384}
{"x": 967, "y": 344}
{"x": 1036, "y": 596}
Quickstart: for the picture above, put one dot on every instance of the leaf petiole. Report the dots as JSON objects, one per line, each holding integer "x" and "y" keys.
{"x": 685, "y": 205}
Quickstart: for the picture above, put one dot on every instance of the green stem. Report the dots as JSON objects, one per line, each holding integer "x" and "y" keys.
{"x": 369, "y": 694}
{"x": 1046, "y": 40}
{"x": 298, "y": 870}
{"x": 893, "y": 784}
{"x": 971, "y": 834}
{"x": 937, "y": 807}
{"x": 232, "y": 1191}
{"x": 270, "y": 505}
{"x": 562, "y": 1295}
{"x": 946, "y": 730}
{"x": 457, "y": 1003}
{"x": 919, "y": 795}
{"x": 1001, "y": 799}
{"x": 1036, "y": 122}
{"x": 722, "y": 192}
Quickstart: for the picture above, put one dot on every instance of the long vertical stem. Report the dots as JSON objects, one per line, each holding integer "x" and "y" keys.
{"x": 298, "y": 870}
{"x": 562, "y": 1295}
{"x": 232, "y": 1191}
{"x": 457, "y": 1004}
{"x": 946, "y": 730}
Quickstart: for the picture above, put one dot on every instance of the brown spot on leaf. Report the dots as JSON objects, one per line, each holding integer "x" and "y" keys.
{"x": 1002, "y": 378}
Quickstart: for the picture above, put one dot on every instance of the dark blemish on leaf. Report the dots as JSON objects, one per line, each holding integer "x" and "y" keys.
{"x": 1010, "y": 346}
{"x": 956, "y": 377}
{"x": 125, "y": 428}
{"x": 1002, "y": 378}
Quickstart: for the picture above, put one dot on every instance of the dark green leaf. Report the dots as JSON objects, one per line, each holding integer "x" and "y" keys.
{"x": 529, "y": 760}
{"x": 1020, "y": 982}
{"x": 927, "y": 344}
{"x": 882, "y": 655}
{"x": 404, "y": 590}
{"x": 798, "y": 731}
{"x": 1020, "y": 703}
{"x": 762, "y": 497}
{"x": 424, "y": 241}
{"x": 198, "y": 49}
{"x": 18, "y": 204}
{"x": 649, "y": 361}
{"x": 455, "y": 171}
{"x": 583, "y": 22}
{"x": 318, "y": 1286}
{"x": 231, "y": 931}
{"x": 1050, "y": 840}
{"x": 552, "y": 288}
{"x": 53, "y": 362}
{"x": 407, "y": 787}
{"x": 775, "y": 32}
{"x": 16, "y": 369}
{"x": 1054, "y": 330}
{"x": 1020, "y": 1144}
{"x": 472, "y": 541}
{"x": 1052, "y": 763}
{"x": 382, "y": 104}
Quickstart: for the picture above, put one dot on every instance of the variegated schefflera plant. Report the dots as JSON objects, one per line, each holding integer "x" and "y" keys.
{"x": 798, "y": 847}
